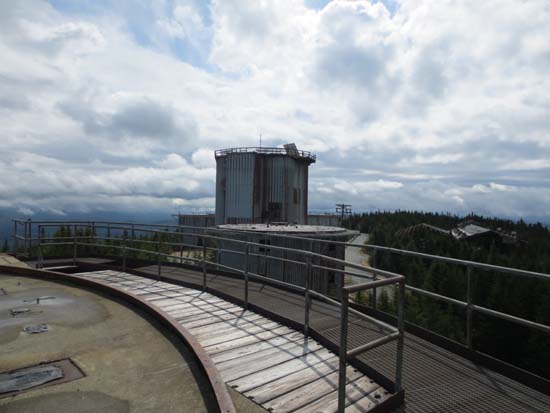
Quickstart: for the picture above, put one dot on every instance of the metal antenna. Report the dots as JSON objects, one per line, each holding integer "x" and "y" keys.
{"x": 343, "y": 210}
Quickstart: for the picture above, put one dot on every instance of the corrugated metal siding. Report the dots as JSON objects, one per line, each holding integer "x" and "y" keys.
{"x": 322, "y": 280}
{"x": 252, "y": 187}
{"x": 240, "y": 177}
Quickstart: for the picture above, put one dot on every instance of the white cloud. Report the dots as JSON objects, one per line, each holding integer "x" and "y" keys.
{"x": 438, "y": 105}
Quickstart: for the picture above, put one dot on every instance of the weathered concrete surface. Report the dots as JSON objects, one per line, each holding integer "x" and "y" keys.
{"x": 130, "y": 366}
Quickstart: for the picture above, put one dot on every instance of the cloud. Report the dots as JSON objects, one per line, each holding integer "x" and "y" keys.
{"x": 428, "y": 104}
{"x": 149, "y": 122}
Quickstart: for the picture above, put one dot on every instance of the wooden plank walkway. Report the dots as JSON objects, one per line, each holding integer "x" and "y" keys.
{"x": 436, "y": 380}
{"x": 273, "y": 365}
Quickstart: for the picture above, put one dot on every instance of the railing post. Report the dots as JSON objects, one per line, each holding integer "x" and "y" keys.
{"x": 159, "y": 265}
{"x": 307, "y": 296}
{"x": 124, "y": 254}
{"x": 74, "y": 245}
{"x": 40, "y": 255}
{"x": 204, "y": 264}
{"x": 15, "y": 244}
{"x": 25, "y": 243}
{"x": 245, "y": 273}
{"x": 374, "y": 294}
{"x": 401, "y": 338}
{"x": 181, "y": 251}
{"x": 469, "y": 307}
{"x": 343, "y": 351}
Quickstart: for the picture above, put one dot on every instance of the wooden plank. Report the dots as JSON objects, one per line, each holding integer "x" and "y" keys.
{"x": 259, "y": 346}
{"x": 292, "y": 349}
{"x": 194, "y": 310}
{"x": 196, "y": 303}
{"x": 307, "y": 394}
{"x": 225, "y": 318}
{"x": 161, "y": 295}
{"x": 166, "y": 302}
{"x": 176, "y": 292}
{"x": 213, "y": 337}
{"x": 241, "y": 341}
{"x": 356, "y": 390}
{"x": 284, "y": 378}
{"x": 237, "y": 322}
{"x": 269, "y": 361}
{"x": 202, "y": 314}
{"x": 202, "y": 308}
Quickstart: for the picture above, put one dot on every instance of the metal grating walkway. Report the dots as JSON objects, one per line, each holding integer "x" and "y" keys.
{"x": 435, "y": 380}
{"x": 274, "y": 365}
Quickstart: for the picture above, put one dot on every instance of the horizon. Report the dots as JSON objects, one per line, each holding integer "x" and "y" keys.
{"x": 118, "y": 106}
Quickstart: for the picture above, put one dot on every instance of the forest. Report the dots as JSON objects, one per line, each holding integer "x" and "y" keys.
{"x": 516, "y": 295}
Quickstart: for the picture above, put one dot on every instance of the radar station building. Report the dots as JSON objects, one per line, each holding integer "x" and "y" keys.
{"x": 262, "y": 185}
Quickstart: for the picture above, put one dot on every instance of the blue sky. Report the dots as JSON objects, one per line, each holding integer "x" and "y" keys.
{"x": 426, "y": 104}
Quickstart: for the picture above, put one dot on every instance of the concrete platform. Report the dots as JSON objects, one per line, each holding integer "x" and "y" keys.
{"x": 128, "y": 363}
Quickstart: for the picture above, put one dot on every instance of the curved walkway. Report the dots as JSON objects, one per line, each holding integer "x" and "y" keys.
{"x": 275, "y": 366}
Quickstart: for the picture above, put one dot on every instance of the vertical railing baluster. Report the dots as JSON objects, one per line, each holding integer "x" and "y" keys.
{"x": 40, "y": 255}
{"x": 401, "y": 338}
{"x": 343, "y": 351}
{"x": 124, "y": 253}
{"x": 159, "y": 264}
{"x": 15, "y": 245}
{"x": 374, "y": 294}
{"x": 245, "y": 273}
{"x": 469, "y": 307}
{"x": 74, "y": 245}
{"x": 307, "y": 296}
{"x": 25, "y": 230}
{"x": 204, "y": 264}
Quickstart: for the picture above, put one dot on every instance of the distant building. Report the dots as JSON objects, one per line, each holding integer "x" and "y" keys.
{"x": 328, "y": 220}
{"x": 262, "y": 185}
{"x": 473, "y": 232}
{"x": 467, "y": 230}
{"x": 307, "y": 237}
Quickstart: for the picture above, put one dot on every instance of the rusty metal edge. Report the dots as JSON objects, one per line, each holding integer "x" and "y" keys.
{"x": 223, "y": 399}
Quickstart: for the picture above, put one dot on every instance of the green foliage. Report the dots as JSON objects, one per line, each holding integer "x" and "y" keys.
{"x": 519, "y": 296}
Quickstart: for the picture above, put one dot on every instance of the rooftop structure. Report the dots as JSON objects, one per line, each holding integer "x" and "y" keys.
{"x": 284, "y": 228}
{"x": 311, "y": 237}
{"x": 262, "y": 185}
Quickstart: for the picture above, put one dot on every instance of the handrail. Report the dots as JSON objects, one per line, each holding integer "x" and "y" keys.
{"x": 268, "y": 151}
{"x": 92, "y": 241}
{"x": 456, "y": 261}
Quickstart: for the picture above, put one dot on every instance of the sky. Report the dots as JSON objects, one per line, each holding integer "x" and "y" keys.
{"x": 118, "y": 105}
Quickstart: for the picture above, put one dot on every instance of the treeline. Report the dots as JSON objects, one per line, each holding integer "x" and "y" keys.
{"x": 102, "y": 243}
{"x": 516, "y": 295}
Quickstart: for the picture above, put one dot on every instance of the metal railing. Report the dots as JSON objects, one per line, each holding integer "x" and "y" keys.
{"x": 268, "y": 151}
{"x": 35, "y": 238}
{"x": 469, "y": 265}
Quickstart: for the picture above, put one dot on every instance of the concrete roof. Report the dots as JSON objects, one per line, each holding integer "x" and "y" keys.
{"x": 128, "y": 363}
